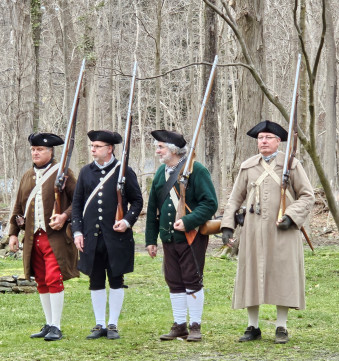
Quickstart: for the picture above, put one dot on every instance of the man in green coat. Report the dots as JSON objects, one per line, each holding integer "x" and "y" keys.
{"x": 183, "y": 263}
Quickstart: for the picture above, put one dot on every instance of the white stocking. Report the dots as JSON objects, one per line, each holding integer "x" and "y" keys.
{"x": 195, "y": 302}
{"x": 99, "y": 299}
{"x": 282, "y": 313}
{"x": 46, "y": 306}
{"x": 57, "y": 304}
{"x": 179, "y": 307}
{"x": 116, "y": 299}
{"x": 253, "y": 316}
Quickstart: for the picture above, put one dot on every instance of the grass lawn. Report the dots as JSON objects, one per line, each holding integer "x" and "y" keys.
{"x": 147, "y": 314}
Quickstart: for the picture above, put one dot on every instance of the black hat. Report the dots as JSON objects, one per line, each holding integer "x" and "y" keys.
{"x": 268, "y": 127}
{"x": 104, "y": 136}
{"x": 167, "y": 136}
{"x": 44, "y": 139}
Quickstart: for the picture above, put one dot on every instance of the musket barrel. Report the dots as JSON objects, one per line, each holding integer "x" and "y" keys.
{"x": 131, "y": 94}
{"x": 70, "y": 125}
{"x": 201, "y": 114}
{"x": 294, "y": 104}
{"x": 128, "y": 127}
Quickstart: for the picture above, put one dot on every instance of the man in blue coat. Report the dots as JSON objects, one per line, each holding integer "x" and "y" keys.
{"x": 105, "y": 246}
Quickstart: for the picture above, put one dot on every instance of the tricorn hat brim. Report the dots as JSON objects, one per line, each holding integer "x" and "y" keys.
{"x": 44, "y": 139}
{"x": 268, "y": 127}
{"x": 171, "y": 137}
{"x": 104, "y": 136}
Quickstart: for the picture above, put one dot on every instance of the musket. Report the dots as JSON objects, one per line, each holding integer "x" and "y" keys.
{"x": 125, "y": 152}
{"x": 61, "y": 177}
{"x": 181, "y": 210}
{"x": 291, "y": 149}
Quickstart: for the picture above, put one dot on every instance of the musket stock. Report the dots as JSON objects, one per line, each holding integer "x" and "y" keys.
{"x": 181, "y": 211}
{"x": 125, "y": 152}
{"x": 61, "y": 177}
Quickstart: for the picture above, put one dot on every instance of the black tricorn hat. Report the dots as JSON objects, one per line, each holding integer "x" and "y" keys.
{"x": 44, "y": 139}
{"x": 268, "y": 127}
{"x": 104, "y": 136}
{"x": 171, "y": 137}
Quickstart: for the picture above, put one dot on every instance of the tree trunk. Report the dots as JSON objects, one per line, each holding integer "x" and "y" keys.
{"x": 330, "y": 161}
{"x": 36, "y": 18}
{"x": 157, "y": 68}
{"x": 211, "y": 115}
{"x": 250, "y": 98}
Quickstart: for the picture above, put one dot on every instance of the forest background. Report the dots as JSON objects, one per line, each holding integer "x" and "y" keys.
{"x": 257, "y": 42}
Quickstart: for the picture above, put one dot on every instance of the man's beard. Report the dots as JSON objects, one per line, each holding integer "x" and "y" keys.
{"x": 165, "y": 158}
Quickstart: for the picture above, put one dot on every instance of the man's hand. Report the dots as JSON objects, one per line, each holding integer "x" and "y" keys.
{"x": 227, "y": 235}
{"x": 179, "y": 225}
{"x": 79, "y": 242}
{"x": 58, "y": 221}
{"x": 284, "y": 222}
{"x": 13, "y": 243}
{"x": 120, "y": 226}
{"x": 152, "y": 250}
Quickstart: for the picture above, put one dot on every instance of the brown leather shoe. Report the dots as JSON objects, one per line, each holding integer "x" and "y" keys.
{"x": 251, "y": 334}
{"x": 195, "y": 335}
{"x": 281, "y": 335}
{"x": 176, "y": 331}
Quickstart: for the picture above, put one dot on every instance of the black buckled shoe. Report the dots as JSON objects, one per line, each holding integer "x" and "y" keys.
{"x": 97, "y": 332}
{"x": 251, "y": 334}
{"x": 281, "y": 335}
{"x": 54, "y": 334}
{"x": 112, "y": 332}
{"x": 43, "y": 332}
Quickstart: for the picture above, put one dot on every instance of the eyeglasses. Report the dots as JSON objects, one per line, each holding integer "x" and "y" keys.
{"x": 261, "y": 137}
{"x": 98, "y": 146}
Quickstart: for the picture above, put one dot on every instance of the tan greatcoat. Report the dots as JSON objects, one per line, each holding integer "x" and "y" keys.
{"x": 62, "y": 245}
{"x": 271, "y": 261}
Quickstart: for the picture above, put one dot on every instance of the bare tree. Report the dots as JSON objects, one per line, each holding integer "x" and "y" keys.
{"x": 308, "y": 143}
{"x": 211, "y": 118}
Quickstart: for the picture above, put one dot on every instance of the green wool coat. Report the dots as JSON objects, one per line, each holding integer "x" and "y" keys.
{"x": 200, "y": 197}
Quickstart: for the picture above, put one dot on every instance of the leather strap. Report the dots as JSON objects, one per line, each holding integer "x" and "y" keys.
{"x": 35, "y": 190}
{"x": 96, "y": 189}
{"x": 168, "y": 185}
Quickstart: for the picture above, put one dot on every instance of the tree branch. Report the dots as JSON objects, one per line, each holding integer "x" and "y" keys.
{"x": 250, "y": 66}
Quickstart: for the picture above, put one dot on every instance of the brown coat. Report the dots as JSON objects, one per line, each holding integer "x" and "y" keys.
{"x": 63, "y": 246}
{"x": 271, "y": 261}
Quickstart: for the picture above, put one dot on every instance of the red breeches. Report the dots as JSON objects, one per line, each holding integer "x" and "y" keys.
{"x": 45, "y": 266}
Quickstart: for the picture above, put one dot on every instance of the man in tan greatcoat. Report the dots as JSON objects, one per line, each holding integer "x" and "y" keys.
{"x": 48, "y": 253}
{"x": 271, "y": 259}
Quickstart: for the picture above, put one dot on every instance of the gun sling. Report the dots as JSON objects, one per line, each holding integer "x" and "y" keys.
{"x": 168, "y": 185}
